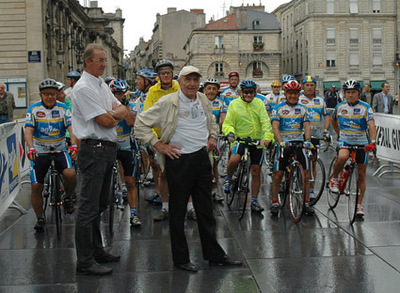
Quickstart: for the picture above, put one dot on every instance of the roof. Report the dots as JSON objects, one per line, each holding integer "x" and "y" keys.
{"x": 267, "y": 20}
{"x": 226, "y": 23}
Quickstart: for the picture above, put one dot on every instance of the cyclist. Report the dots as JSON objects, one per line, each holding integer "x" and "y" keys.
{"x": 230, "y": 93}
{"x": 72, "y": 79}
{"x": 289, "y": 120}
{"x": 351, "y": 120}
{"x": 247, "y": 117}
{"x": 109, "y": 79}
{"x": 272, "y": 98}
{"x": 120, "y": 88}
{"x": 45, "y": 127}
{"x": 64, "y": 99}
{"x": 319, "y": 117}
{"x": 285, "y": 79}
{"x": 211, "y": 88}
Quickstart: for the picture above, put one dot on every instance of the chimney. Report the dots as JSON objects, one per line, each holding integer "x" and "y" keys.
{"x": 94, "y": 4}
{"x": 171, "y": 9}
{"x": 197, "y": 11}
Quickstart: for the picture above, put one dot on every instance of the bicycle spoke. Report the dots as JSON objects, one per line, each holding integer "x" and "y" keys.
{"x": 352, "y": 193}
{"x": 296, "y": 193}
{"x": 333, "y": 198}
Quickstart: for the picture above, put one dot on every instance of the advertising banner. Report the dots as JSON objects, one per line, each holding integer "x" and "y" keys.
{"x": 388, "y": 137}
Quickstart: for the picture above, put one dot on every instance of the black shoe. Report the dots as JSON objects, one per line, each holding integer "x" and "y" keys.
{"x": 94, "y": 269}
{"x": 275, "y": 209}
{"x": 225, "y": 261}
{"x": 309, "y": 210}
{"x": 106, "y": 257}
{"x": 39, "y": 227}
{"x": 68, "y": 205}
{"x": 187, "y": 267}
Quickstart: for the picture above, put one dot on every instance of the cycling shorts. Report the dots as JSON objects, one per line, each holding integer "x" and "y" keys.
{"x": 41, "y": 165}
{"x": 256, "y": 154}
{"x": 361, "y": 155}
{"x": 126, "y": 159}
{"x": 282, "y": 163}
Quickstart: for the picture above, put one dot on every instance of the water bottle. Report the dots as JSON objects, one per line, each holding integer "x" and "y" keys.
{"x": 344, "y": 174}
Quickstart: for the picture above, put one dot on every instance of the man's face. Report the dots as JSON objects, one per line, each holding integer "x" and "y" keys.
{"x": 292, "y": 97}
{"x": 309, "y": 89}
{"x": 386, "y": 88}
{"x": 61, "y": 96}
{"x": 234, "y": 81}
{"x": 139, "y": 82}
{"x": 248, "y": 94}
{"x": 333, "y": 89}
{"x": 275, "y": 90}
{"x": 351, "y": 96}
{"x": 71, "y": 82}
{"x": 2, "y": 89}
{"x": 49, "y": 97}
{"x": 166, "y": 74}
{"x": 96, "y": 64}
{"x": 367, "y": 88}
{"x": 190, "y": 85}
{"x": 211, "y": 91}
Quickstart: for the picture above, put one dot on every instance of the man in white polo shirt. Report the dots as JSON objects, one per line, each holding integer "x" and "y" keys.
{"x": 188, "y": 131}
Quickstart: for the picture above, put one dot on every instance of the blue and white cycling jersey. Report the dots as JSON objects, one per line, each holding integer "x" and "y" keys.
{"x": 317, "y": 111}
{"x": 218, "y": 106}
{"x": 124, "y": 132}
{"x": 291, "y": 120}
{"x": 263, "y": 99}
{"x": 272, "y": 101}
{"x": 353, "y": 122}
{"x": 228, "y": 95}
{"x": 139, "y": 102}
{"x": 50, "y": 126}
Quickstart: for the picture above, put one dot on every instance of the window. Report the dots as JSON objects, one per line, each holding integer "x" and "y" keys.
{"x": 257, "y": 69}
{"x": 377, "y": 59}
{"x": 354, "y": 58}
{"x": 376, "y": 35}
{"x": 219, "y": 42}
{"x": 353, "y": 6}
{"x": 330, "y": 59}
{"x": 330, "y": 36}
{"x": 258, "y": 39}
{"x": 354, "y": 35}
{"x": 219, "y": 69}
{"x": 376, "y": 6}
{"x": 330, "y": 6}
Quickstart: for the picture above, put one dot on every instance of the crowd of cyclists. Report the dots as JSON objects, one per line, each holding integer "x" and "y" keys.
{"x": 292, "y": 113}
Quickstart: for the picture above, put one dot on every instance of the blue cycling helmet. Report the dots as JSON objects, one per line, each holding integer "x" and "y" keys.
{"x": 309, "y": 78}
{"x": 74, "y": 75}
{"x": 351, "y": 84}
{"x": 248, "y": 83}
{"x": 109, "y": 79}
{"x": 119, "y": 86}
{"x": 145, "y": 73}
{"x": 287, "y": 78}
{"x": 176, "y": 76}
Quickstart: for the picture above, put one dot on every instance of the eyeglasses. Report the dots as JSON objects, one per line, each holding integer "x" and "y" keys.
{"x": 275, "y": 86}
{"x": 46, "y": 94}
{"x": 100, "y": 60}
{"x": 165, "y": 72}
{"x": 248, "y": 92}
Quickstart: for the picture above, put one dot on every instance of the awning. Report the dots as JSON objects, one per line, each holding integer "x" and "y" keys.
{"x": 361, "y": 83}
{"x": 376, "y": 84}
{"x": 327, "y": 84}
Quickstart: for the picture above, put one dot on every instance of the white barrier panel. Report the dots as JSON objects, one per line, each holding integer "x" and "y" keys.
{"x": 13, "y": 162}
{"x": 388, "y": 137}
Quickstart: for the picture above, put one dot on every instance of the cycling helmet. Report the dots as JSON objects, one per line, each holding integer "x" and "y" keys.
{"x": 48, "y": 83}
{"x": 287, "y": 78}
{"x": 176, "y": 76}
{"x": 309, "y": 78}
{"x": 60, "y": 86}
{"x": 248, "y": 83}
{"x": 351, "y": 84}
{"x": 119, "y": 86}
{"x": 233, "y": 73}
{"x": 146, "y": 74}
{"x": 276, "y": 83}
{"x": 292, "y": 85}
{"x": 74, "y": 75}
{"x": 212, "y": 81}
{"x": 109, "y": 79}
{"x": 163, "y": 63}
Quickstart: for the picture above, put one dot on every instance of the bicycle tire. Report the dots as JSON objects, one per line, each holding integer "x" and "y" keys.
{"x": 222, "y": 163}
{"x": 297, "y": 196}
{"x": 352, "y": 192}
{"x": 138, "y": 159}
{"x": 111, "y": 202}
{"x": 319, "y": 181}
{"x": 243, "y": 191}
{"x": 333, "y": 198}
{"x": 283, "y": 189}
{"x": 230, "y": 196}
{"x": 57, "y": 203}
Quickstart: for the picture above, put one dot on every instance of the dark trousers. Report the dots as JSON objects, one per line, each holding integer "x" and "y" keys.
{"x": 190, "y": 175}
{"x": 96, "y": 164}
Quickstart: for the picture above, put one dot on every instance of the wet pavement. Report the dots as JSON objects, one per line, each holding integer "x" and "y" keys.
{"x": 322, "y": 253}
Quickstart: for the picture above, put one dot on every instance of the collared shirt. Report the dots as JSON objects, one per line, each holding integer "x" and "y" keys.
{"x": 316, "y": 111}
{"x": 386, "y": 103}
{"x": 191, "y": 133}
{"x": 91, "y": 98}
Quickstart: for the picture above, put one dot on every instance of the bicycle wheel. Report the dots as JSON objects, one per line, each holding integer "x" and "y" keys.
{"x": 333, "y": 198}
{"x": 137, "y": 167}
{"x": 243, "y": 191}
{"x": 223, "y": 162}
{"x": 318, "y": 180}
{"x": 297, "y": 196}
{"x": 111, "y": 201}
{"x": 57, "y": 203}
{"x": 283, "y": 189}
{"x": 234, "y": 187}
{"x": 352, "y": 192}
{"x": 144, "y": 167}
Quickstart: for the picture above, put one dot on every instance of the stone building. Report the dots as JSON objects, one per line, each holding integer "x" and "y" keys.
{"x": 46, "y": 38}
{"x": 335, "y": 40}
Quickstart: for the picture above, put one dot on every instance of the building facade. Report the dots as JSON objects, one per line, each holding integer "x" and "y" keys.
{"x": 46, "y": 38}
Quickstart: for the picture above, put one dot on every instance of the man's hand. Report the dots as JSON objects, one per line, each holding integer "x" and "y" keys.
{"x": 264, "y": 143}
{"x": 172, "y": 151}
{"x": 327, "y": 137}
{"x": 308, "y": 145}
{"x": 32, "y": 154}
{"x": 370, "y": 147}
{"x": 73, "y": 151}
{"x": 211, "y": 144}
{"x": 285, "y": 144}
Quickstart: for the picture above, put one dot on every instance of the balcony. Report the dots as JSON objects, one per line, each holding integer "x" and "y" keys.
{"x": 258, "y": 47}
{"x": 219, "y": 49}
{"x": 219, "y": 74}
{"x": 257, "y": 73}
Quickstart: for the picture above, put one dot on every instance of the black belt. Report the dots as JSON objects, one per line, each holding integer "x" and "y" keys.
{"x": 99, "y": 142}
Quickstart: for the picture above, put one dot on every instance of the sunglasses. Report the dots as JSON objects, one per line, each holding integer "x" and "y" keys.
{"x": 248, "y": 92}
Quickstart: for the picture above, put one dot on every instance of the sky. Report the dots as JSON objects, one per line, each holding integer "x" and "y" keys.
{"x": 140, "y": 16}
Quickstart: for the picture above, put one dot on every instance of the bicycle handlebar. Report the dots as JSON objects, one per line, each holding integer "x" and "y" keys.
{"x": 248, "y": 141}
